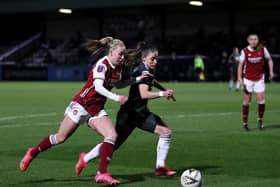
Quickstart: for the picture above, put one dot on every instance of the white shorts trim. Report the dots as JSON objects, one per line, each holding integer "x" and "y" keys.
{"x": 77, "y": 113}
{"x": 99, "y": 115}
{"x": 255, "y": 86}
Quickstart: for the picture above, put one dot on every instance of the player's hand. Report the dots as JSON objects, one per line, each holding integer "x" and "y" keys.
{"x": 271, "y": 75}
{"x": 241, "y": 82}
{"x": 123, "y": 99}
{"x": 168, "y": 93}
{"x": 145, "y": 74}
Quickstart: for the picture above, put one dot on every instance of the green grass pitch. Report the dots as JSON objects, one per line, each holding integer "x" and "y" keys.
{"x": 207, "y": 135}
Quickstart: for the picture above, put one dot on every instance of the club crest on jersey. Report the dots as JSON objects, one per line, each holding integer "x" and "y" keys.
{"x": 75, "y": 112}
{"x": 100, "y": 68}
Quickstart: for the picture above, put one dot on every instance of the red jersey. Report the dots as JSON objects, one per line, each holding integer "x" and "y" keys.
{"x": 92, "y": 101}
{"x": 254, "y": 61}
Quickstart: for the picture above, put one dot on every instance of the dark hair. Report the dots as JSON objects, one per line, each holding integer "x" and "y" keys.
{"x": 147, "y": 48}
{"x": 252, "y": 34}
{"x": 261, "y": 44}
{"x": 132, "y": 57}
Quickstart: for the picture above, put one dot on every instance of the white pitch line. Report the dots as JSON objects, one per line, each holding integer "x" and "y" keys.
{"x": 165, "y": 116}
{"x": 210, "y": 114}
{"x": 7, "y": 118}
{"x": 26, "y": 125}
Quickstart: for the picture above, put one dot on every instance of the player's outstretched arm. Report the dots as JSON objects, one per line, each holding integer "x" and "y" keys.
{"x": 239, "y": 73}
{"x": 146, "y": 94}
{"x": 124, "y": 83}
{"x": 98, "y": 84}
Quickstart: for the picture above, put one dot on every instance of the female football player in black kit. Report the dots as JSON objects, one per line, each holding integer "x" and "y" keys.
{"x": 135, "y": 113}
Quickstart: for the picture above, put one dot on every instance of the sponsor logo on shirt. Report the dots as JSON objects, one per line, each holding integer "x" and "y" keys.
{"x": 255, "y": 60}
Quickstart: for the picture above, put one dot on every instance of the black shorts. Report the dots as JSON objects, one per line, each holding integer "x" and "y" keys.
{"x": 198, "y": 70}
{"x": 127, "y": 121}
{"x": 233, "y": 70}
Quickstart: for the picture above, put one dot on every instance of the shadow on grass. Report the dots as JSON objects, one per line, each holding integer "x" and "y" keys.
{"x": 200, "y": 168}
{"x": 57, "y": 181}
{"x": 271, "y": 127}
{"x": 133, "y": 178}
{"x": 128, "y": 178}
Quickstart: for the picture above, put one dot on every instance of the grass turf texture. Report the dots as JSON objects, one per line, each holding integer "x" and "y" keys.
{"x": 207, "y": 135}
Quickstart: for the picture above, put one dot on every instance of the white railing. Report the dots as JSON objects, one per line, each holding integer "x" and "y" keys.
{"x": 19, "y": 46}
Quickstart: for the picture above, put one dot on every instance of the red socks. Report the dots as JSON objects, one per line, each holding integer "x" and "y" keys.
{"x": 106, "y": 153}
{"x": 245, "y": 112}
{"x": 261, "y": 110}
{"x": 43, "y": 145}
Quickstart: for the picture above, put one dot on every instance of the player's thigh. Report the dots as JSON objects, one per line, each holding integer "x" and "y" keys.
{"x": 66, "y": 129}
{"x": 259, "y": 86}
{"x": 104, "y": 126}
{"x": 125, "y": 125}
{"x": 154, "y": 124}
{"x": 248, "y": 86}
{"x": 247, "y": 98}
{"x": 123, "y": 131}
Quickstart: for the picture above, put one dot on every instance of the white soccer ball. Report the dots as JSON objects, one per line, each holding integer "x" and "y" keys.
{"x": 191, "y": 178}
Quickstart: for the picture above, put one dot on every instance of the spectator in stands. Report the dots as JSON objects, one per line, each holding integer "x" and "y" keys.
{"x": 141, "y": 29}
{"x": 224, "y": 66}
{"x": 233, "y": 61}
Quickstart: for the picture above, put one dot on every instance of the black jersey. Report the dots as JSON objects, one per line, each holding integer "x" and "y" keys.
{"x": 135, "y": 103}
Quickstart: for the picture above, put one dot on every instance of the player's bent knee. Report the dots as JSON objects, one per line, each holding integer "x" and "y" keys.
{"x": 262, "y": 101}
{"x": 110, "y": 140}
{"x": 60, "y": 138}
{"x": 246, "y": 103}
{"x": 163, "y": 131}
{"x": 112, "y": 136}
{"x": 168, "y": 131}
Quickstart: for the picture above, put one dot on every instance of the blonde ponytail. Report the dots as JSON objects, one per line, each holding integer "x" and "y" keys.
{"x": 93, "y": 46}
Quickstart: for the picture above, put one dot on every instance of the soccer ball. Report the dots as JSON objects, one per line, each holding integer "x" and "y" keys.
{"x": 191, "y": 178}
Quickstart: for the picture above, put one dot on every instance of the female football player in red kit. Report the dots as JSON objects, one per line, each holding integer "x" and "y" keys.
{"x": 88, "y": 106}
{"x": 252, "y": 62}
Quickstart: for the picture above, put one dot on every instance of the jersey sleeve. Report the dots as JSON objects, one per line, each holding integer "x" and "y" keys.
{"x": 98, "y": 84}
{"x": 266, "y": 53}
{"x": 242, "y": 56}
{"x": 99, "y": 71}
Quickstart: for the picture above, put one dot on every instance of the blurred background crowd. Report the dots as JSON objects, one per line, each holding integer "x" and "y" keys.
{"x": 38, "y": 36}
